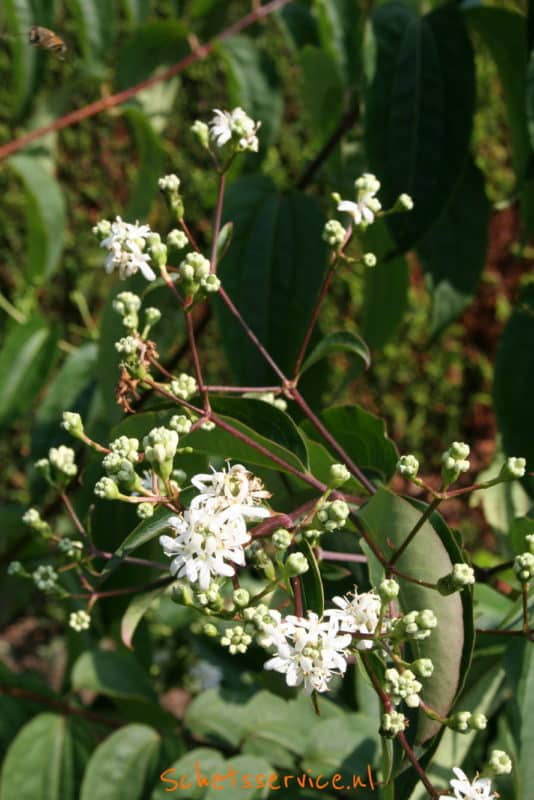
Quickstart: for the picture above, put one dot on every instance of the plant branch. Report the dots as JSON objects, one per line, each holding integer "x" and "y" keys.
{"x": 415, "y": 530}
{"x": 201, "y": 52}
{"x": 58, "y": 705}
{"x": 347, "y": 121}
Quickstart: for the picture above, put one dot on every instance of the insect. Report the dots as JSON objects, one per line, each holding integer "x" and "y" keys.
{"x": 47, "y": 40}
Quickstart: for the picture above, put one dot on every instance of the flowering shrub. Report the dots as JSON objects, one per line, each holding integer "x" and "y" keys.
{"x": 249, "y": 542}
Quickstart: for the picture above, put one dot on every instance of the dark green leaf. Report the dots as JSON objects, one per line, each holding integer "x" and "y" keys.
{"x": 152, "y": 45}
{"x": 13, "y": 715}
{"x": 346, "y": 745}
{"x": 272, "y": 272}
{"x": 453, "y": 252}
{"x": 520, "y": 528}
{"x": 340, "y": 27}
{"x": 254, "y": 84}
{"x": 311, "y": 581}
{"x": 526, "y": 735}
{"x": 124, "y": 765}
{"x": 189, "y": 771}
{"x": 135, "y": 613}
{"x": 27, "y": 356}
{"x": 19, "y": 18}
{"x": 420, "y": 104}
{"x": 96, "y": 20}
{"x": 322, "y": 93}
{"x": 45, "y": 218}
{"x": 217, "y": 716}
{"x": 137, "y": 11}
{"x": 150, "y": 164}
{"x": 341, "y": 342}
{"x": 70, "y": 390}
{"x": 46, "y": 760}
{"x": 113, "y": 674}
{"x": 388, "y": 520}
{"x": 513, "y": 386}
{"x": 251, "y": 769}
{"x": 219, "y": 442}
{"x": 362, "y": 435}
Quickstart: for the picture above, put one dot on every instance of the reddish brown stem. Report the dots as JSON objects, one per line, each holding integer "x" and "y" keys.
{"x": 313, "y": 321}
{"x": 105, "y": 103}
{"x": 196, "y": 362}
{"x": 243, "y": 389}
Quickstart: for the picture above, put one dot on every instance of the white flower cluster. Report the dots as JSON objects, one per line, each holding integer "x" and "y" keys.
{"x": 359, "y": 614}
{"x": 236, "y": 125}
{"x": 79, "y": 621}
{"x": 464, "y": 789}
{"x": 212, "y": 533}
{"x": 365, "y": 208}
{"x": 126, "y": 245}
{"x": 309, "y": 651}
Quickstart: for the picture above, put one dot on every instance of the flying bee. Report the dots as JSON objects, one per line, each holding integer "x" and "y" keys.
{"x": 47, "y": 40}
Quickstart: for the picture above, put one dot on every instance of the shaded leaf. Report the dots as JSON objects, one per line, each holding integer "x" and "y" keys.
{"x": 341, "y": 342}
{"x": 26, "y": 359}
{"x": 150, "y": 167}
{"x": 322, "y": 93}
{"x": 152, "y": 45}
{"x": 45, "y": 218}
{"x": 135, "y": 612}
{"x": 113, "y": 674}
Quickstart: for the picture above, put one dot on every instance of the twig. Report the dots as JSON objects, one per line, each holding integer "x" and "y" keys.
{"x": 105, "y": 103}
{"x": 58, "y": 705}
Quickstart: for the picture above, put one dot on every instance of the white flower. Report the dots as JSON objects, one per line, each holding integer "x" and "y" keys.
{"x": 79, "y": 621}
{"x": 237, "y": 125}
{"x": 367, "y": 205}
{"x": 478, "y": 789}
{"x": 125, "y": 244}
{"x": 207, "y": 539}
{"x": 235, "y": 487}
{"x": 359, "y": 614}
{"x": 311, "y": 652}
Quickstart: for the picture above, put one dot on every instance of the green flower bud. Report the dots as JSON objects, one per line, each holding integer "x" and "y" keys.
{"x": 334, "y": 233}
{"x": 333, "y": 515}
{"x": 478, "y": 721}
{"x": 79, "y": 621}
{"x": 426, "y": 619}
{"x": 500, "y": 763}
{"x": 209, "y": 629}
{"x": 388, "y": 590}
{"x": 102, "y": 229}
{"x": 33, "y": 520}
{"x": 460, "y": 721}
{"x": 423, "y": 667}
{"x": 530, "y": 542}
{"x": 45, "y": 578}
{"x": 72, "y": 549}
{"x": 404, "y": 202}
{"x": 454, "y": 462}
{"x": 182, "y": 594}
{"x": 524, "y": 567}
{"x": 211, "y": 284}
{"x": 281, "y": 539}
{"x": 61, "y": 460}
{"x": 176, "y": 240}
{"x": 184, "y": 386}
{"x": 408, "y": 467}
{"x": 145, "y": 510}
{"x": 296, "y": 564}
{"x": 462, "y": 575}
{"x": 339, "y": 475}
{"x": 369, "y": 260}
{"x": 152, "y": 315}
{"x": 180, "y": 423}
{"x": 126, "y": 447}
{"x": 392, "y": 723}
{"x": 15, "y": 568}
{"x": 201, "y": 132}
{"x": 72, "y": 423}
{"x": 513, "y": 468}
{"x": 241, "y": 598}
{"x": 107, "y": 489}
{"x": 236, "y": 640}
{"x": 160, "y": 446}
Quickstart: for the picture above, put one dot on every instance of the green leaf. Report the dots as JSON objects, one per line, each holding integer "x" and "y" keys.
{"x": 346, "y": 745}
{"x": 217, "y": 716}
{"x": 150, "y": 164}
{"x": 113, "y": 674}
{"x": 341, "y": 342}
{"x": 124, "y": 765}
{"x": 135, "y": 612}
{"x": 340, "y": 27}
{"x": 150, "y": 46}
{"x": 188, "y": 771}
{"x": 321, "y": 93}
{"x": 388, "y": 520}
{"x": 254, "y": 773}
{"x": 13, "y": 715}
{"x": 95, "y": 26}
{"x": 70, "y": 390}
{"x": 219, "y": 442}
{"x": 45, "y": 218}
{"x": 520, "y": 528}
{"x": 19, "y": 18}
{"x": 420, "y": 103}
{"x": 137, "y": 11}
{"x": 362, "y": 435}
{"x": 272, "y": 272}
{"x": 526, "y": 735}
{"x": 27, "y": 356}
{"x": 453, "y": 252}
{"x": 46, "y": 760}
{"x": 254, "y": 84}
{"x": 513, "y": 386}
{"x": 311, "y": 581}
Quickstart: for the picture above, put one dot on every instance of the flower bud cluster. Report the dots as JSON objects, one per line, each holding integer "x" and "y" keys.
{"x": 80, "y": 621}
{"x": 233, "y": 128}
{"x": 72, "y": 423}
{"x": 267, "y": 397}
{"x": 169, "y": 186}
{"x": 185, "y": 386}
{"x": 415, "y": 625}
{"x": 70, "y": 548}
{"x": 462, "y": 575}
{"x": 402, "y": 686}
{"x": 334, "y": 233}
{"x": 179, "y": 422}
{"x": 524, "y": 567}
{"x": 32, "y": 519}
{"x": 45, "y": 578}
{"x": 195, "y": 277}
{"x": 339, "y": 475}
{"x": 160, "y": 446}
{"x": 464, "y": 721}
{"x": 236, "y": 640}
{"x": 408, "y": 467}
{"x": 393, "y": 722}
{"x": 455, "y": 462}
{"x": 332, "y": 515}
